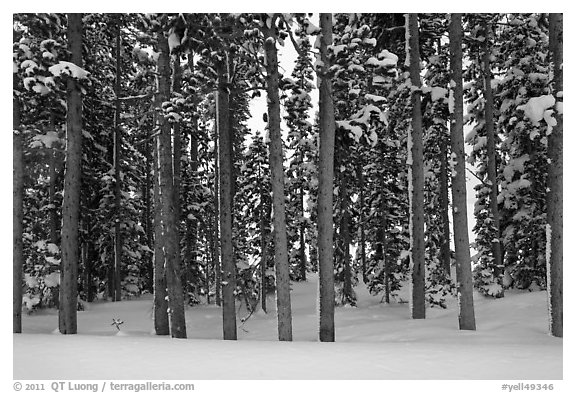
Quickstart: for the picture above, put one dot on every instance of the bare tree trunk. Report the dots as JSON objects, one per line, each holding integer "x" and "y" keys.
{"x": 464, "y": 287}
{"x": 345, "y": 233}
{"x": 302, "y": 229}
{"x": 160, "y": 316}
{"x": 555, "y": 215}
{"x": 54, "y": 167}
{"x": 216, "y": 244}
{"x": 177, "y": 168}
{"x": 226, "y": 206}
{"x": 67, "y": 320}
{"x": 325, "y": 188}
{"x": 416, "y": 174}
{"x": 361, "y": 224}
{"x": 264, "y": 218}
{"x": 444, "y": 207}
{"x": 17, "y": 217}
{"x": 192, "y": 232}
{"x": 169, "y": 224}
{"x": 117, "y": 266}
{"x": 147, "y": 219}
{"x": 281, "y": 262}
{"x": 491, "y": 151}
{"x": 384, "y": 258}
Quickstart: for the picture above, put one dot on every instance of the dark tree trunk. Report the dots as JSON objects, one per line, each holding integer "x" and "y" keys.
{"x": 264, "y": 219}
{"x": 177, "y": 168}
{"x": 459, "y": 210}
{"x": 216, "y": 242}
{"x": 444, "y": 206}
{"x": 55, "y": 164}
{"x": 225, "y": 201}
{"x": 384, "y": 252}
{"x": 17, "y": 217}
{"x": 67, "y": 320}
{"x": 117, "y": 267}
{"x": 416, "y": 174}
{"x": 160, "y": 316}
{"x": 361, "y": 224}
{"x": 169, "y": 219}
{"x": 281, "y": 262}
{"x": 346, "y": 239}
{"x": 147, "y": 219}
{"x": 302, "y": 228}
{"x": 491, "y": 151}
{"x": 325, "y": 188}
{"x": 555, "y": 215}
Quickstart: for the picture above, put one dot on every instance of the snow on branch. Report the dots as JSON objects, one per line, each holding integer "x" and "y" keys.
{"x": 71, "y": 69}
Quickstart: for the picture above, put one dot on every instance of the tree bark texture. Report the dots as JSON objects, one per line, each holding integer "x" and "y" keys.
{"x": 17, "y": 217}
{"x": 555, "y": 215}
{"x": 225, "y": 201}
{"x": 464, "y": 287}
{"x": 346, "y": 240}
{"x": 491, "y": 151}
{"x": 160, "y": 311}
{"x": 416, "y": 174}
{"x": 281, "y": 262}
{"x": 445, "y": 256}
{"x": 325, "y": 188}
{"x": 67, "y": 321}
{"x": 117, "y": 267}
{"x": 169, "y": 219}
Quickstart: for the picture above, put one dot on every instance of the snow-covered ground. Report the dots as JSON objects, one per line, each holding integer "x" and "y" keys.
{"x": 374, "y": 341}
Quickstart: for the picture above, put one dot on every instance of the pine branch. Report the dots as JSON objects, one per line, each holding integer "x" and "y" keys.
{"x": 477, "y": 177}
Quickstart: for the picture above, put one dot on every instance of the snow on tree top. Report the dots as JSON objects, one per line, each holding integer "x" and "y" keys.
{"x": 65, "y": 67}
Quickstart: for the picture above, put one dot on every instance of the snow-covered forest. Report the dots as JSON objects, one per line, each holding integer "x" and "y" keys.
{"x": 148, "y": 202}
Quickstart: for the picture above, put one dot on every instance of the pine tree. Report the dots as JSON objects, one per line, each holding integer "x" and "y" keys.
{"x": 72, "y": 183}
{"x": 325, "y": 193}
{"x": 17, "y": 217}
{"x": 277, "y": 178}
{"x": 225, "y": 200}
{"x": 416, "y": 173}
{"x": 466, "y": 317}
{"x": 169, "y": 225}
{"x": 555, "y": 213}
{"x": 116, "y": 290}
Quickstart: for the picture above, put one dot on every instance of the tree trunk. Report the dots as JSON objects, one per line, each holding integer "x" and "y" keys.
{"x": 160, "y": 316}
{"x": 325, "y": 188}
{"x": 169, "y": 219}
{"x": 491, "y": 151}
{"x": 345, "y": 233}
{"x": 445, "y": 256}
{"x": 216, "y": 243}
{"x": 67, "y": 321}
{"x": 147, "y": 219}
{"x": 117, "y": 267}
{"x": 302, "y": 229}
{"x": 177, "y": 168}
{"x": 416, "y": 173}
{"x": 225, "y": 201}
{"x": 17, "y": 217}
{"x": 459, "y": 209}
{"x": 361, "y": 224}
{"x": 264, "y": 218}
{"x": 281, "y": 262}
{"x": 385, "y": 251}
{"x": 53, "y": 214}
{"x": 555, "y": 215}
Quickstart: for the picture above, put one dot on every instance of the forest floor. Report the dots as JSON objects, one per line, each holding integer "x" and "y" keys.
{"x": 374, "y": 341}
